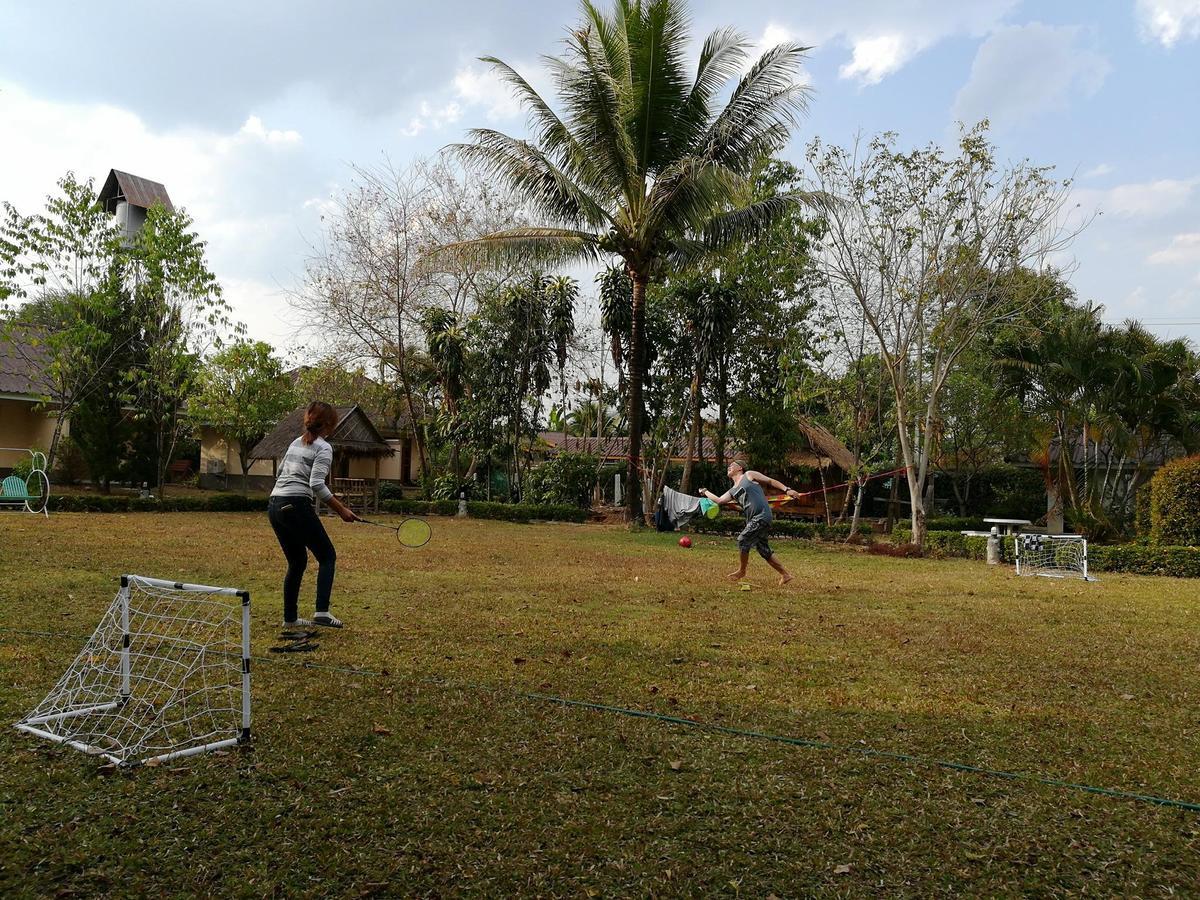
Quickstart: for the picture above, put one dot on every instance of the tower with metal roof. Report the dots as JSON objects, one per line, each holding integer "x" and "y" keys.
{"x": 129, "y": 198}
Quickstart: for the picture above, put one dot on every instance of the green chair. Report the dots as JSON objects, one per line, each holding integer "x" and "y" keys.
{"x": 16, "y": 491}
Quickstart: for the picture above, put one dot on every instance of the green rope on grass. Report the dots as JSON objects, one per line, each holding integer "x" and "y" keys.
{"x": 810, "y": 743}
{"x": 867, "y": 751}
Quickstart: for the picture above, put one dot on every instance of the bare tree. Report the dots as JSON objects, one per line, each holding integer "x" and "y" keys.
{"x": 923, "y": 246}
{"x": 369, "y": 283}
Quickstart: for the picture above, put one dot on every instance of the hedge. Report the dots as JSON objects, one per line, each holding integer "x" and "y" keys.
{"x": 113, "y": 503}
{"x": 116, "y": 503}
{"x": 507, "y": 512}
{"x": 956, "y": 523}
{"x": 1175, "y": 503}
{"x": 780, "y": 528}
{"x": 1136, "y": 559}
{"x": 952, "y": 543}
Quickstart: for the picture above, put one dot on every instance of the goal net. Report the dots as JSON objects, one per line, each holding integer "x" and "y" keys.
{"x": 1052, "y": 555}
{"x": 166, "y": 674}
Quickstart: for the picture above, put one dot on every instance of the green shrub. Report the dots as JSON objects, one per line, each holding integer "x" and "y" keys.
{"x": 390, "y": 490}
{"x": 24, "y": 465}
{"x": 1137, "y": 559}
{"x": 1175, "y": 503}
{"x": 1141, "y": 511}
{"x": 1179, "y": 562}
{"x": 112, "y": 503}
{"x": 781, "y": 528}
{"x": 1006, "y": 491}
{"x": 70, "y": 467}
{"x": 566, "y": 479}
{"x": 506, "y": 512}
{"x": 956, "y": 523}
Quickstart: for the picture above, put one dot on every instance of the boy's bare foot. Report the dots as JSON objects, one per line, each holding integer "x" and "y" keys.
{"x": 784, "y": 579}
{"x": 736, "y": 576}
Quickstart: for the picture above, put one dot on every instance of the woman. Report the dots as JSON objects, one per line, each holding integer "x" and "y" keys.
{"x": 301, "y": 476}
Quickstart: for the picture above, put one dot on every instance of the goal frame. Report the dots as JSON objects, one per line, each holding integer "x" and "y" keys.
{"x": 30, "y": 725}
{"x": 1026, "y": 568}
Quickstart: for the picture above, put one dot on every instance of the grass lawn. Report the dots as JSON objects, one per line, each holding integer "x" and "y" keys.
{"x": 444, "y": 777}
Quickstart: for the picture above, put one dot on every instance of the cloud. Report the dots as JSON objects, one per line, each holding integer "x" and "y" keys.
{"x": 1097, "y": 171}
{"x": 877, "y": 57}
{"x": 1184, "y": 248}
{"x": 1148, "y": 200}
{"x": 1023, "y": 71}
{"x": 1168, "y": 21}
{"x": 255, "y": 129}
{"x": 481, "y": 87}
{"x": 883, "y": 36}
{"x": 430, "y": 118}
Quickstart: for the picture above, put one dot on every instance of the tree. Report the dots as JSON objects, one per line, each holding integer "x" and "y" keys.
{"x": 979, "y": 422}
{"x": 644, "y": 164}
{"x": 60, "y": 264}
{"x": 179, "y": 314}
{"x": 1103, "y": 400}
{"x": 370, "y": 282}
{"x": 926, "y": 247}
{"x": 242, "y": 393}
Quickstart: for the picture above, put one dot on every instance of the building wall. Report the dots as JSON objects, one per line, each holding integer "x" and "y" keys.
{"x": 390, "y": 467}
{"x": 22, "y": 426}
{"x": 218, "y": 455}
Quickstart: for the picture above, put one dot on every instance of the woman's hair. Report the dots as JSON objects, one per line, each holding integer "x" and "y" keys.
{"x": 740, "y": 463}
{"x": 317, "y": 418}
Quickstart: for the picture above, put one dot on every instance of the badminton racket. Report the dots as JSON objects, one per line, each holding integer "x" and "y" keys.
{"x": 411, "y": 532}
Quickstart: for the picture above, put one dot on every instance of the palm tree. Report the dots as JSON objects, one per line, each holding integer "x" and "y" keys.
{"x": 645, "y": 164}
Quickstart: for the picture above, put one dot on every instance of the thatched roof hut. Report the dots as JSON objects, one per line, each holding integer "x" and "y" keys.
{"x": 823, "y": 443}
{"x": 354, "y": 436}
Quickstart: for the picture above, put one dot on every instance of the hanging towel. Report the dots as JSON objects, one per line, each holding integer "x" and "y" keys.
{"x": 675, "y": 509}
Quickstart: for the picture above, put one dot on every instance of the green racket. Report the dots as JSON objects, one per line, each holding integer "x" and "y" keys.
{"x": 411, "y": 532}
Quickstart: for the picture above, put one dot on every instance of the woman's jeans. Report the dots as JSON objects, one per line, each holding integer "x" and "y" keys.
{"x": 299, "y": 530}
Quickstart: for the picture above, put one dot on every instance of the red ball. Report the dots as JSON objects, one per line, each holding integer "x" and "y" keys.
{"x": 685, "y": 542}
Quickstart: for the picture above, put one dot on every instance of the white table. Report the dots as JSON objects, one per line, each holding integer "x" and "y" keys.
{"x": 1010, "y": 526}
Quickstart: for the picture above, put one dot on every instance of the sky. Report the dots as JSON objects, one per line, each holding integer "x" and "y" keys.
{"x": 252, "y": 114}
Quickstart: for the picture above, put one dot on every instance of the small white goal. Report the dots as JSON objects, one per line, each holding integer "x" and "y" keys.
{"x": 166, "y": 674}
{"x": 1053, "y": 556}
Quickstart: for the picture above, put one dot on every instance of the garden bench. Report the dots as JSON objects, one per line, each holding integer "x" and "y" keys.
{"x": 14, "y": 491}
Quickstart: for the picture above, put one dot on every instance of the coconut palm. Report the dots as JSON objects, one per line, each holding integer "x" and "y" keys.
{"x": 644, "y": 163}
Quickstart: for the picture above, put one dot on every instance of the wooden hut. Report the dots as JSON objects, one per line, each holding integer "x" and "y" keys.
{"x": 829, "y": 461}
{"x": 358, "y": 449}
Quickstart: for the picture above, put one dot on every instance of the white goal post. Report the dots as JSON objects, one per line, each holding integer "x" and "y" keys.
{"x": 165, "y": 675}
{"x": 1053, "y": 556}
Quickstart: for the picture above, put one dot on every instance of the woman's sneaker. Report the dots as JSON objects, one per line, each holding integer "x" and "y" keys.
{"x": 327, "y": 620}
{"x": 299, "y": 623}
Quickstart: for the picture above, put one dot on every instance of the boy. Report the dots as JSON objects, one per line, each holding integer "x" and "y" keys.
{"x": 750, "y": 497}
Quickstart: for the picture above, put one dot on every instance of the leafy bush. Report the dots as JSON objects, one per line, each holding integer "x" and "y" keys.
{"x": 1179, "y": 562}
{"x": 1141, "y": 511}
{"x": 390, "y": 490}
{"x": 566, "y": 479}
{"x": 1006, "y": 491}
{"x": 445, "y": 487}
{"x": 24, "y": 465}
{"x": 508, "y": 512}
{"x": 1175, "y": 503}
{"x": 112, "y": 503}
{"x": 956, "y": 523}
{"x": 70, "y": 467}
{"x": 1137, "y": 559}
{"x": 780, "y": 528}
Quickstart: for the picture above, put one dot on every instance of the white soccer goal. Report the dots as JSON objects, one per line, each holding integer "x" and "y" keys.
{"x": 1053, "y": 556}
{"x": 166, "y": 674}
